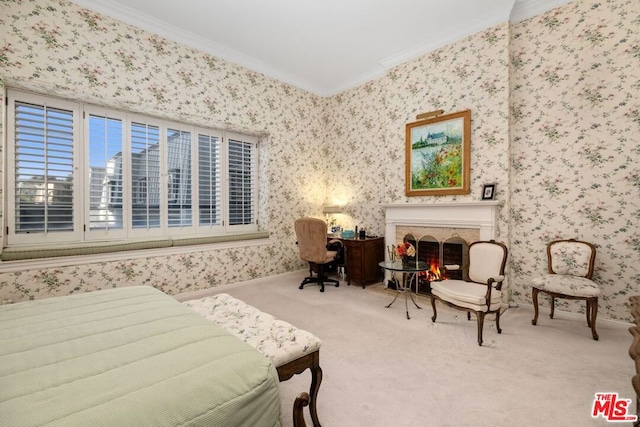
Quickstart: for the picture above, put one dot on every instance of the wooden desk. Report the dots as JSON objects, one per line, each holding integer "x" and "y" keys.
{"x": 361, "y": 259}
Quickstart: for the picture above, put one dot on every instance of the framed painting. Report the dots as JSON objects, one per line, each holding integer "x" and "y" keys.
{"x": 437, "y": 155}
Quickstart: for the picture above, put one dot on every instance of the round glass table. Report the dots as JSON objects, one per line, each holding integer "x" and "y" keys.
{"x": 411, "y": 271}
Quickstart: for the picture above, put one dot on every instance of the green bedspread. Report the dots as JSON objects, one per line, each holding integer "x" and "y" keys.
{"x": 129, "y": 356}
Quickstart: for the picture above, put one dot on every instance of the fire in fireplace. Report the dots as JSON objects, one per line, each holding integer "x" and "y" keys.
{"x": 452, "y": 251}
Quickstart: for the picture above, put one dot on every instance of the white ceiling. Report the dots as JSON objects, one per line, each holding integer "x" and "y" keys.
{"x": 322, "y": 46}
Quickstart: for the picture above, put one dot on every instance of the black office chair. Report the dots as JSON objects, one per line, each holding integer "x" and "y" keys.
{"x": 312, "y": 244}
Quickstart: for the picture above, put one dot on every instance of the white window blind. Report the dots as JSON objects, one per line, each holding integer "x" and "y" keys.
{"x": 105, "y": 182}
{"x": 241, "y": 182}
{"x": 79, "y": 173}
{"x": 44, "y": 162}
{"x": 145, "y": 175}
{"x": 179, "y": 178}
{"x": 209, "y": 181}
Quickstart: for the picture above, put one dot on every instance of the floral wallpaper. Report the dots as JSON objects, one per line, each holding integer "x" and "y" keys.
{"x": 575, "y": 122}
{"x": 366, "y": 125}
{"x": 555, "y": 123}
{"x": 56, "y": 47}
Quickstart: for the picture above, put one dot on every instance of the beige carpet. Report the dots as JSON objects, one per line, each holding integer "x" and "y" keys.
{"x": 381, "y": 369}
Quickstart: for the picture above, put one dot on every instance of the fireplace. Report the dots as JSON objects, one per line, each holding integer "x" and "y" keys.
{"x": 437, "y": 254}
{"x": 441, "y": 233}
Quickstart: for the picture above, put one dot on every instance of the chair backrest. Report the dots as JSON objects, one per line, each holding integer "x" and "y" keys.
{"x": 486, "y": 260}
{"x": 571, "y": 257}
{"x": 312, "y": 239}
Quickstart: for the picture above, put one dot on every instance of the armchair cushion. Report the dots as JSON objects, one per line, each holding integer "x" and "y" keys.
{"x": 466, "y": 294}
{"x": 568, "y": 285}
{"x": 487, "y": 258}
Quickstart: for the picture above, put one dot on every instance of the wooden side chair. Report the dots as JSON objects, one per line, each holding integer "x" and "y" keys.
{"x": 570, "y": 268}
{"x": 482, "y": 292}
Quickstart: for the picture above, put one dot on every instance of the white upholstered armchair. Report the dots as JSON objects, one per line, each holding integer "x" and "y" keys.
{"x": 570, "y": 268}
{"x": 482, "y": 292}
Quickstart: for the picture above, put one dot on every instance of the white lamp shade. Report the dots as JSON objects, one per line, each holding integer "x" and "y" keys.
{"x": 332, "y": 209}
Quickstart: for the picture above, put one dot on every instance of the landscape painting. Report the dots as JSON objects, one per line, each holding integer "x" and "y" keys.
{"x": 437, "y": 155}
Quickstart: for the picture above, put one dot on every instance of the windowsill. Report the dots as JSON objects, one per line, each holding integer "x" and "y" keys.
{"x": 16, "y": 259}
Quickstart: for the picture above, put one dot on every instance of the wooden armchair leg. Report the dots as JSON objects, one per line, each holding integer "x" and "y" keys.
{"x": 593, "y": 310}
{"x": 553, "y": 306}
{"x": 480, "y": 318}
{"x": 534, "y": 297}
{"x": 433, "y": 306}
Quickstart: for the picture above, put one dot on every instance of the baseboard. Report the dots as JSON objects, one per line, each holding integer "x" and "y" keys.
{"x": 576, "y": 315}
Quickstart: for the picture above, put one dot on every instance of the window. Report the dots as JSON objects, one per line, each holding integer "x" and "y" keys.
{"x": 241, "y": 182}
{"x": 144, "y": 152}
{"x": 179, "y": 178}
{"x": 84, "y": 173}
{"x": 105, "y": 138}
{"x": 209, "y": 180}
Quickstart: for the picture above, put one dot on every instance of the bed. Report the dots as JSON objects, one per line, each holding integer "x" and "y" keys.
{"x": 129, "y": 356}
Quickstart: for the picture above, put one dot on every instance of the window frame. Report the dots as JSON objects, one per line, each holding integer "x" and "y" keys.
{"x": 216, "y": 228}
{"x": 89, "y": 234}
{"x": 82, "y": 196}
{"x": 149, "y": 232}
{"x": 254, "y": 171}
{"x": 10, "y": 167}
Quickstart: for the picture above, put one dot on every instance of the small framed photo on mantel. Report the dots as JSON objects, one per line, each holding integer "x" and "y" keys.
{"x": 488, "y": 191}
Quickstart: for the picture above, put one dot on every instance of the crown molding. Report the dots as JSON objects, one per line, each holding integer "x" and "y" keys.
{"x": 138, "y": 19}
{"x": 525, "y": 9}
{"x": 519, "y": 10}
{"x": 487, "y": 20}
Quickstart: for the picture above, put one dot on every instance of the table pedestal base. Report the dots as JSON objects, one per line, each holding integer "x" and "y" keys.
{"x": 406, "y": 290}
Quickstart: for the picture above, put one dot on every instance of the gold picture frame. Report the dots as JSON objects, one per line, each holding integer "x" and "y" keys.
{"x": 438, "y": 152}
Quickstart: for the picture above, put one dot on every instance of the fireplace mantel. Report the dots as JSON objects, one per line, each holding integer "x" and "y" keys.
{"x": 479, "y": 215}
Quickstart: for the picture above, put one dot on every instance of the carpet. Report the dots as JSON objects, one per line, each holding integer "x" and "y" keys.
{"x": 381, "y": 369}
